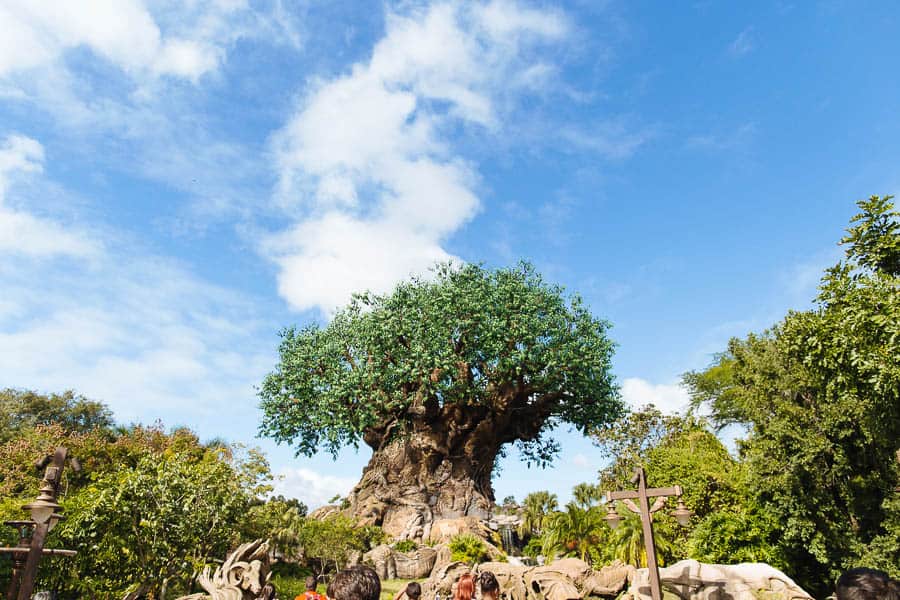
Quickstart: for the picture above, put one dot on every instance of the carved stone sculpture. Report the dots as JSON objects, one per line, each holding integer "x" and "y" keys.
{"x": 692, "y": 580}
{"x": 566, "y": 579}
{"x": 243, "y": 575}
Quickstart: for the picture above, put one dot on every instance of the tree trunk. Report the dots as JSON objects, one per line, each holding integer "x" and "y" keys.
{"x": 430, "y": 474}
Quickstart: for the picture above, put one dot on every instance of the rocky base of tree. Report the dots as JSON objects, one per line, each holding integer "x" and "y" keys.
{"x": 408, "y": 486}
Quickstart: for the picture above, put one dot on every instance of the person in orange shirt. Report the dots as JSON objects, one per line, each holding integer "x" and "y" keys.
{"x": 310, "y": 593}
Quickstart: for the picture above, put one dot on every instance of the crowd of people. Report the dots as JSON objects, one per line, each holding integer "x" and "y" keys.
{"x": 361, "y": 582}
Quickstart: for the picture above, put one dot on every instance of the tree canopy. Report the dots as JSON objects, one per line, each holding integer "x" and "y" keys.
{"x": 148, "y": 507}
{"x": 488, "y": 350}
{"x": 23, "y": 409}
{"x": 820, "y": 395}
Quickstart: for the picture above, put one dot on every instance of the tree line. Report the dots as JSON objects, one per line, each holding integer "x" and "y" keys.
{"x": 149, "y": 507}
{"x": 814, "y": 486}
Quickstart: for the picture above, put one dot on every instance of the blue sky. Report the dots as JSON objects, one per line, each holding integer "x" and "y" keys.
{"x": 179, "y": 180}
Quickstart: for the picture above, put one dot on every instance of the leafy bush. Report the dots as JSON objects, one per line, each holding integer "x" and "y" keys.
{"x": 405, "y": 546}
{"x": 533, "y": 547}
{"x": 468, "y": 548}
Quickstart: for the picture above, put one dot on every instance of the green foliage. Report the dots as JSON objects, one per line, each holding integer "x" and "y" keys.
{"x": 741, "y": 535}
{"x": 154, "y": 525}
{"x": 329, "y": 543}
{"x": 874, "y": 239}
{"x": 820, "y": 394}
{"x": 279, "y": 520}
{"x": 884, "y": 550}
{"x": 586, "y": 494}
{"x": 627, "y": 441}
{"x": 577, "y": 531}
{"x": 534, "y": 547}
{"x": 405, "y": 546}
{"x": 536, "y": 509}
{"x": 22, "y": 410}
{"x": 148, "y": 508}
{"x": 468, "y": 548}
{"x": 494, "y": 343}
{"x": 695, "y": 459}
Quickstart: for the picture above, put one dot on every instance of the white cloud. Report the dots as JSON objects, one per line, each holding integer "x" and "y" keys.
{"x": 182, "y": 39}
{"x": 611, "y": 139}
{"x": 142, "y": 335}
{"x": 25, "y": 234}
{"x": 366, "y": 160}
{"x": 310, "y": 487}
{"x": 739, "y": 138}
{"x": 669, "y": 398}
{"x": 121, "y": 31}
{"x": 186, "y": 58}
{"x": 117, "y": 324}
{"x": 111, "y": 75}
{"x": 743, "y": 43}
{"x": 581, "y": 461}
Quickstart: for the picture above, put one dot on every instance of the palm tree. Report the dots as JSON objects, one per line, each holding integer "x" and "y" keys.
{"x": 586, "y": 495}
{"x": 576, "y": 531}
{"x": 537, "y": 506}
{"x": 627, "y": 541}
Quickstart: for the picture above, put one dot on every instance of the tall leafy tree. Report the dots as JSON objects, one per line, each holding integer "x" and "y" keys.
{"x": 820, "y": 394}
{"x": 627, "y": 442}
{"x": 21, "y": 410}
{"x": 576, "y": 531}
{"x": 146, "y": 510}
{"x": 438, "y": 377}
{"x": 586, "y": 494}
{"x": 149, "y": 529}
{"x": 536, "y": 509}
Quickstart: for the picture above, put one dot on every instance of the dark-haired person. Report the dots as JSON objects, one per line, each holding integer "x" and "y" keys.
{"x": 355, "y": 583}
{"x": 310, "y": 593}
{"x": 867, "y": 584}
{"x": 490, "y": 588}
{"x": 412, "y": 591}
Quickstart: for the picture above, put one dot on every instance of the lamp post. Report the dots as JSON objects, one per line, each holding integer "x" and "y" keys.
{"x": 32, "y": 534}
{"x": 643, "y": 494}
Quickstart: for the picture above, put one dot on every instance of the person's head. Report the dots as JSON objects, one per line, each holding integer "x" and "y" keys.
{"x": 413, "y": 590}
{"x": 866, "y": 584}
{"x": 355, "y": 583}
{"x": 268, "y": 592}
{"x": 465, "y": 587}
{"x": 310, "y": 583}
{"x": 488, "y": 584}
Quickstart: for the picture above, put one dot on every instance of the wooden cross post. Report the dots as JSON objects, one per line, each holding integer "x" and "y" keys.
{"x": 643, "y": 494}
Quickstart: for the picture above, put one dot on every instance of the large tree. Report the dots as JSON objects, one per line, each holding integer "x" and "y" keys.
{"x": 820, "y": 395}
{"x": 437, "y": 378}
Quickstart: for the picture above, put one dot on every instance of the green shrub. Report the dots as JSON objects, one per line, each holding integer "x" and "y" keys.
{"x": 405, "y": 546}
{"x": 534, "y": 547}
{"x": 468, "y": 548}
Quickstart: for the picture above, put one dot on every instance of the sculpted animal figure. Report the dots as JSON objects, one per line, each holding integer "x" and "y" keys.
{"x": 243, "y": 576}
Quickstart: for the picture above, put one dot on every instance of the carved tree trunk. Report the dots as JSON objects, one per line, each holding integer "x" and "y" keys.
{"x": 407, "y": 484}
{"x": 441, "y": 469}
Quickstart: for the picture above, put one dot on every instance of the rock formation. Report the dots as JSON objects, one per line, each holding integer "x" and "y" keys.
{"x": 392, "y": 564}
{"x": 692, "y": 580}
{"x": 567, "y": 579}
